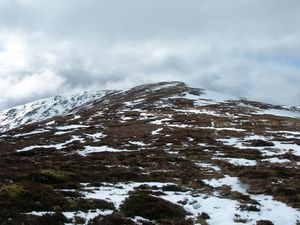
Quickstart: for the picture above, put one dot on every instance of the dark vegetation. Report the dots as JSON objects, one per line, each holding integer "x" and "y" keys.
{"x": 47, "y": 179}
{"x": 152, "y": 208}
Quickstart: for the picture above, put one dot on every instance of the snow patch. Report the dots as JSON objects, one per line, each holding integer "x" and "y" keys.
{"x": 97, "y": 149}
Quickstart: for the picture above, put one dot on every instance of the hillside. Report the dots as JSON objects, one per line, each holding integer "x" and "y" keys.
{"x": 47, "y": 108}
{"x": 162, "y": 153}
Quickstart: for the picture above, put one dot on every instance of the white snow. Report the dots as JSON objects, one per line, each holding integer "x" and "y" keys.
{"x": 179, "y": 125}
{"x": 139, "y": 143}
{"x": 199, "y": 111}
{"x": 62, "y": 132}
{"x": 155, "y": 132}
{"x": 270, "y": 209}
{"x": 96, "y": 136}
{"x": 90, "y": 214}
{"x": 116, "y": 193}
{"x": 133, "y": 103}
{"x": 295, "y": 133}
{"x": 239, "y": 161}
{"x": 221, "y": 210}
{"x": 145, "y": 116}
{"x": 229, "y": 129}
{"x": 76, "y": 117}
{"x": 32, "y": 132}
{"x": 277, "y": 160}
{"x": 50, "y": 123}
{"x": 46, "y": 108}
{"x": 209, "y": 98}
{"x": 278, "y": 148}
{"x": 208, "y": 165}
{"x": 71, "y": 127}
{"x": 279, "y": 112}
{"x": 96, "y": 149}
{"x": 233, "y": 182}
{"x": 58, "y": 146}
{"x": 160, "y": 121}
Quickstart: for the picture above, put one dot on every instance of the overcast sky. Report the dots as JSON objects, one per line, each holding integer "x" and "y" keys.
{"x": 248, "y": 48}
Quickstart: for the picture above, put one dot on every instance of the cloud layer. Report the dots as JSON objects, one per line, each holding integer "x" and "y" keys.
{"x": 247, "y": 48}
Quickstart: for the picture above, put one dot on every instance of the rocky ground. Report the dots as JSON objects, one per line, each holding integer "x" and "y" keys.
{"x": 161, "y": 153}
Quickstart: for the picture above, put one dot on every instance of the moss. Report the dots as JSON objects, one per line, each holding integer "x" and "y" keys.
{"x": 72, "y": 205}
{"x": 57, "y": 208}
{"x": 12, "y": 190}
{"x": 49, "y": 176}
{"x": 87, "y": 204}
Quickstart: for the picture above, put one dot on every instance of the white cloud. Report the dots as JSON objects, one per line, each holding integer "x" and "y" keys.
{"x": 249, "y": 48}
{"x": 24, "y": 88}
{"x": 12, "y": 55}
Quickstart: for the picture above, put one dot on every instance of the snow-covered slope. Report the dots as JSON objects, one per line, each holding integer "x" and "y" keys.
{"x": 46, "y": 108}
{"x": 156, "y": 154}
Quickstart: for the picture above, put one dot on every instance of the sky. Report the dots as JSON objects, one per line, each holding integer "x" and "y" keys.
{"x": 247, "y": 48}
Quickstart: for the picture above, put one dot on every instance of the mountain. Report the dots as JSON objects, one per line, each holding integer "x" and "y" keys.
{"x": 47, "y": 108}
{"x": 162, "y": 153}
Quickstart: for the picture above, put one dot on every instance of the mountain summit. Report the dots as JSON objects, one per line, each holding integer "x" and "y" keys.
{"x": 162, "y": 153}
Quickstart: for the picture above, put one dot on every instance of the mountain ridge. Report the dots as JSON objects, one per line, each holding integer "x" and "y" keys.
{"x": 67, "y": 103}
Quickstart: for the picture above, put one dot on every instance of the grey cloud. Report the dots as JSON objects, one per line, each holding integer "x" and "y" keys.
{"x": 247, "y": 48}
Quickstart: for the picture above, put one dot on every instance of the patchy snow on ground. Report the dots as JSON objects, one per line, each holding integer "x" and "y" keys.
{"x": 233, "y": 182}
{"x": 71, "y": 127}
{"x": 229, "y": 129}
{"x": 146, "y": 116}
{"x": 155, "y": 132}
{"x": 208, "y": 165}
{"x": 179, "y": 125}
{"x": 221, "y": 210}
{"x": 294, "y": 133}
{"x": 116, "y": 193}
{"x": 270, "y": 209}
{"x": 90, "y": 214}
{"x": 38, "y": 131}
{"x": 239, "y": 161}
{"x": 209, "y": 98}
{"x": 97, "y": 149}
{"x": 279, "y": 112}
{"x": 96, "y": 136}
{"x": 160, "y": 121}
{"x": 286, "y": 147}
{"x": 138, "y": 143}
{"x": 62, "y": 132}
{"x": 199, "y": 111}
{"x": 276, "y": 160}
{"x": 57, "y": 146}
{"x": 278, "y": 148}
{"x": 134, "y": 102}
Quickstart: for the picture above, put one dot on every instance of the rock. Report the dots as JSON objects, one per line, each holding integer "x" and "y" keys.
{"x": 204, "y": 216}
{"x": 264, "y": 222}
